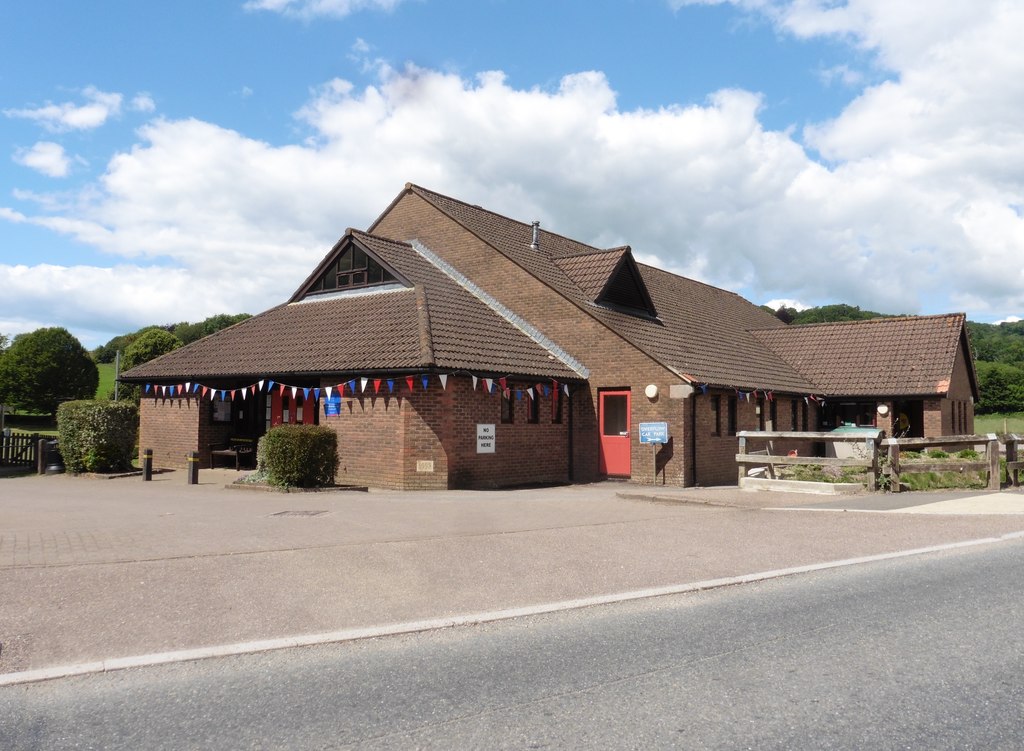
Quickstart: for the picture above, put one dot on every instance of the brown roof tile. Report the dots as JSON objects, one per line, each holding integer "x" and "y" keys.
{"x": 701, "y": 331}
{"x": 904, "y": 356}
{"x": 437, "y": 324}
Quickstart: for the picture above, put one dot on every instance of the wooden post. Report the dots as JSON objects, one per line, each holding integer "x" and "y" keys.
{"x": 894, "y": 465}
{"x": 993, "y": 462}
{"x": 1012, "y": 473}
{"x": 871, "y": 445}
{"x": 41, "y": 456}
{"x": 742, "y": 466}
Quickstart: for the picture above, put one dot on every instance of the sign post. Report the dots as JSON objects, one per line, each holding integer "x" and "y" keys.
{"x": 656, "y": 434}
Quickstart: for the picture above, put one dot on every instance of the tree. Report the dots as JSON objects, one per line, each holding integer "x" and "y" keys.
{"x": 43, "y": 368}
{"x": 148, "y": 345}
{"x": 1001, "y": 387}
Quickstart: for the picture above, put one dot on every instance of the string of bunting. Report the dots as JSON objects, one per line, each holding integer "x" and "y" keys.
{"x": 189, "y": 389}
{"x": 765, "y": 394}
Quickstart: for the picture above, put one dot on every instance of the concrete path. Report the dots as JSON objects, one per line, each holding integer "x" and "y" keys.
{"x": 94, "y": 570}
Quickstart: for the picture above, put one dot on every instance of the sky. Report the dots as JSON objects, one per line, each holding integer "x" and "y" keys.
{"x": 164, "y": 162}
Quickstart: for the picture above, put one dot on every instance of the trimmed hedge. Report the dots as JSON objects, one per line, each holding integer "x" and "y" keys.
{"x": 304, "y": 456}
{"x": 97, "y": 436}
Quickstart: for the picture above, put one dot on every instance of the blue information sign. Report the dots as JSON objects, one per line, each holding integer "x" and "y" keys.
{"x": 654, "y": 432}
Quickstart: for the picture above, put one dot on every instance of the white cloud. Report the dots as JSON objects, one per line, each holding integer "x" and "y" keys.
{"x": 46, "y": 157}
{"x": 916, "y": 207}
{"x": 99, "y": 107}
{"x": 786, "y": 303}
{"x": 142, "y": 103}
{"x": 1010, "y": 319}
{"x": 313, "y": 8}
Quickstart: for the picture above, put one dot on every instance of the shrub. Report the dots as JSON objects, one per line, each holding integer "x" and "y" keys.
{"x": 97, "y": 436}
{"x": 970, "y": 454}
{"x": 937, "y": 454}
{"x": 303, "y": 456}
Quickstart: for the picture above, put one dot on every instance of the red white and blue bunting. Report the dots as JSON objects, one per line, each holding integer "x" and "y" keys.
{"x": 754, "y": 394}
{"x": 353, "y": 387}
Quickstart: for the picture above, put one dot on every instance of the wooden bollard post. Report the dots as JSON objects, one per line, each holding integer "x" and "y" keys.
{"x": 147, "y": 465}
{"x": 193, "y": 468}
{"x": 41, "y": 456}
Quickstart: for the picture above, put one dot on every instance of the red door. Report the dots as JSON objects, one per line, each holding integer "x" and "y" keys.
{"x": 613, "y": 418}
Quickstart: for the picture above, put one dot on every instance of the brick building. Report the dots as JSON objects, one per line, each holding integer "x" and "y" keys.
{"x": 449, "y": 346}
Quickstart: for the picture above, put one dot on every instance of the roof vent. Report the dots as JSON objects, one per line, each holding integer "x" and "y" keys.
{"x": 535, "y": 242}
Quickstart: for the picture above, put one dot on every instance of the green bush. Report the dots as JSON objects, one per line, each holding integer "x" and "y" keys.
{"x": 304, "y": 456}
{"x": 97, "y": 436}
{"x": 936, "y": 454}
{"x": 968, "y": 454}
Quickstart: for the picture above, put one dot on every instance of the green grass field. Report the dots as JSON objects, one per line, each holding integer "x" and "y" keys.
{"x": 1012, "y": 422}
{"x": 106, "y": 380}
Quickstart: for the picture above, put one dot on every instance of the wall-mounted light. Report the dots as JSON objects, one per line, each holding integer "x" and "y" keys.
{"x": 651, "y": 391}
{"x": 882, "y": 409}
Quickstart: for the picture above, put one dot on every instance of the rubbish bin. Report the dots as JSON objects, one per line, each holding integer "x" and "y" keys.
{"x": 54, "y": 461}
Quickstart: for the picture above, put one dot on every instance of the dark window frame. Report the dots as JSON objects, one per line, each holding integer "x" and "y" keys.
{"x": 716, "y": 411}
{"x": 533, "y": 407}
{"x": 508, "y": 407}
{"x": 732, "y": 415}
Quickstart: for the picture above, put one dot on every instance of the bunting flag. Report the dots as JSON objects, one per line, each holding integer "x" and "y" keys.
{"x": 408, "y": 382}
{"x": 260, "y": 384}
{"x": 362, "y": 384}
{"x": 391, "y": 385}
{"x": 530, "y": 392}
{"x": 243, "y": 394}
{"x": 270, "y": 385}
{"x": 488, "y": 382}
{"x": 147, "y": 388}
{"x": 544, "y": 386}
{"x": 519, "y": 395}
{"x": 424, "y": 381}
{"x": 376, "y": 385}
{"x": 352, "y": 386}
{"x": 188, "y": 385}
{"x": 295, "y": 392}
{"x": 280, "y": 389}
{"x": 503, "y": 382}
{"x": 203, "y": 395}
{"x": 305, "y": 394}
{"x": 316, "y": 394}
{"x": 475, "y": 379}
{"x": 565, "y": 388}
{"x": 444, "y": 381}
{"x": 232, "y": 394}
{"x": 328, "y": 389}
{"x": 703, "y": 388}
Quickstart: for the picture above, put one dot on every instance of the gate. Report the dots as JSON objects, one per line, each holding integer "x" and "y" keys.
{"x": 19, "y": 450}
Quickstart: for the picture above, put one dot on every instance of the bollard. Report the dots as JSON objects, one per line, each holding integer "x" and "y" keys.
{"x": 147, "y": 465}
{"x": 41, "y": 456}
{"x": 193, "y": 468}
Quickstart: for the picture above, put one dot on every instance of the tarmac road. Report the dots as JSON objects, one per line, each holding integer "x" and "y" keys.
{"x": 916, "y": 652}
{"x": 92, "y": 571}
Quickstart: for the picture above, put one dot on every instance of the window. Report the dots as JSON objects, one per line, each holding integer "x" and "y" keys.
{"x": 760, "y": 414}
{"x": 803, "y": 416}
{"x": 793, "y": 414}
{"x": 352, "y": 269}
{"x": 533, "y": 406}
{"x": 508, "y": 407}
{"x": 732, "y": 415}
{"x": 716, "y": 415}
{"x": 773, "y": 411}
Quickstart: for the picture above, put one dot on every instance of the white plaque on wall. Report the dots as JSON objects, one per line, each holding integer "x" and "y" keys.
{"x": 485, "y": 436}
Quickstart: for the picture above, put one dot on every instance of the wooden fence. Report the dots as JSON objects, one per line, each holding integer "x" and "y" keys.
{"x": 990, "y": 464}
{"x": 868, "y": 459}
{"x": 767, "y": 457}
{"x": 19, "y": 450}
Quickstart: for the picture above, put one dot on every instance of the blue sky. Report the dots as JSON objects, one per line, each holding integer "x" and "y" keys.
{"x": 169, "y": 161}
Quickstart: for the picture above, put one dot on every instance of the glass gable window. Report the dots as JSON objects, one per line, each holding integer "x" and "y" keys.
{"x": 351, "y": 270}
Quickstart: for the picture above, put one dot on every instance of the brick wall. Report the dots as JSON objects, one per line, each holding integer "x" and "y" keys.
{"x": 426, "y": 440}
{"x": 171, "y": 428}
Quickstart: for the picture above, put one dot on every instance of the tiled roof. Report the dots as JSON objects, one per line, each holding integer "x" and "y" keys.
{"x": 590, "y": 272}
{"x": 435, "y": 324}
{"x": 905, "y": 356}
{"x": 701, "y": 331}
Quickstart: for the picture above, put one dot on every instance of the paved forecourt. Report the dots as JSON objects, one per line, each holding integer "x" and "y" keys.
{"x": 96, "y": 570}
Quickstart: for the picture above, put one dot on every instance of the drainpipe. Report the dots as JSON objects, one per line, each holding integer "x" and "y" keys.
{"x": 693, "y": 436}
{"x": 572, "y": 470}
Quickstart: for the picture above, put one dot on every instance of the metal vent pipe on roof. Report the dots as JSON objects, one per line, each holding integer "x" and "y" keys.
{"x": 535, "y": 242}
